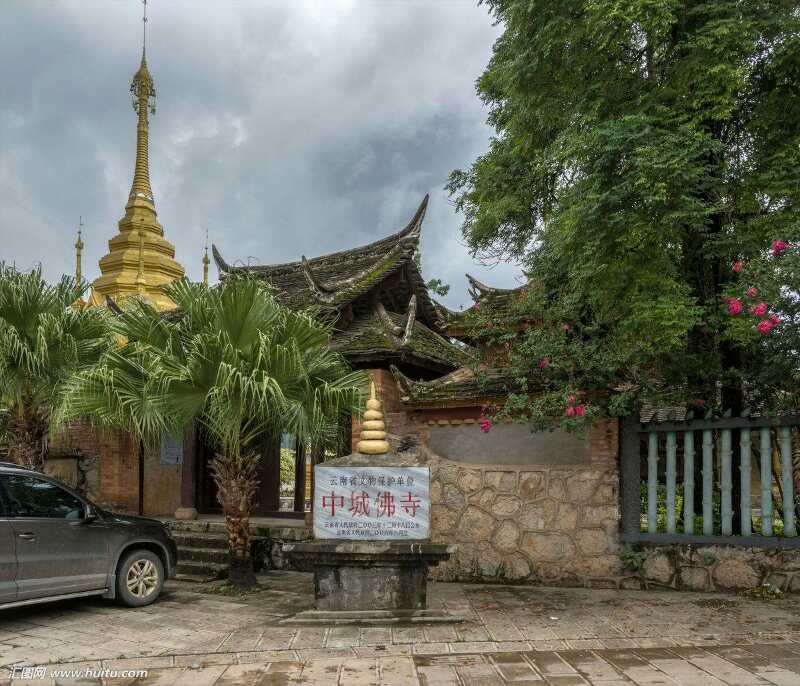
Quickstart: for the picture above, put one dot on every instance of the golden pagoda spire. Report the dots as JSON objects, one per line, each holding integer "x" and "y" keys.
{"x": 78, "y": 253}
{"x": 373, "y": 430}
{"x": 139, "y": 259}
{"x": 205, "y": 262}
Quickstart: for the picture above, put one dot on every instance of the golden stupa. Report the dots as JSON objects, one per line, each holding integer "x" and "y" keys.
{"x": 140, "y": 261}
{"x": 373, "y": 430}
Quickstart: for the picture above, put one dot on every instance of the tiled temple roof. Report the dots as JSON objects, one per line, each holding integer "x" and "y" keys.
{"x": 499, "y": 302}
{"x": 338, "y": 279}
{"x": 400, "y": 339}
{"x": 465, "y": 387}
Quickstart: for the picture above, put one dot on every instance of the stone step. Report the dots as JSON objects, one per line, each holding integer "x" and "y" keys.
{"x": 192, "y": 554}
{"x": 189, "y": 539}
{"x": 207, "y": 570}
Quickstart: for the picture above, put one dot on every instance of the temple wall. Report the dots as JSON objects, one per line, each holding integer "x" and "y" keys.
{"x": 553, "y": 519}
{"x": 102, "y": 465}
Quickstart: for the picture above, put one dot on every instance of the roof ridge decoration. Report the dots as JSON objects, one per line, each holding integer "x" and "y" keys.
{"x": 411, "y": 317}
{"x": 478, "y": 289}
{"x": 408, "y": 234}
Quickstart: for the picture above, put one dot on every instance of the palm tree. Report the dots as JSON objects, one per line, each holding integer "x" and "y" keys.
{"x": 44, "y": 338}
{"x": 232, "y": 360}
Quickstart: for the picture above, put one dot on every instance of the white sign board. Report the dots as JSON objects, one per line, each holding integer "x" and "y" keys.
{"x": 372, "y": 503}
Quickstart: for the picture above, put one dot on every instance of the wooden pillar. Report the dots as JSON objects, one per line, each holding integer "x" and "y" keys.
{"x": 188, "y": 508}
{"x": 299, "y": 476}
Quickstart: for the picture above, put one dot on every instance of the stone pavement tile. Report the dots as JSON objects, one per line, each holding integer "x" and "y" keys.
{"x": 343, "y": 637}
{"x": 682, "y": 671}
{"x": 590, "y": 665}
{"x": 308, "y": 654}
{"x": 584, "y": 644}
{"x": 412, "y": 634}
{"x": 275, "y": 640}
{"x": 549, "y": 645}
{"x": 513, "y": 646}
{"x": 205, "y": 660}
{"x": 655, "y": 642}
{"x": 359, "y": 672}
{"x": 200, "y": 677}
{"x": 381, "y": 651}
{"x": 719, "y": 667}
{"x": 617, "y": 643}
{"x": 286, "y": 667}
{"x": 550, "y": 663}
{"x": 471, "y": 632}
{"x": 255, "y": 656}
{"x": 479, "y": 675}
{"x": 134, "y": 663}
{"x": 322, "y": 671}
{"x": 161, "y": 677}
{"x": 242, "y": 675}
{"x": 309, "y": 637}
{"x": 379, "y": 635}
{"x": 430, "y": 648}
{"x": 437, "y": 675}
{"x": 440, "y": 633}
{"x": 397, "y": 671}
{"x": 571, "y": 680}
{"x": 638, "y": 670}
{"x": 504, "y": 632}
{"x": 473, "y": 647}
{"x": 514, "y": 667}
{"x": 241, "y": 640}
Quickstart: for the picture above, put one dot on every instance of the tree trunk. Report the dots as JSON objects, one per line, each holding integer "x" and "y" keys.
{"x": 27, "y": 438}
{"x": 235, "y": 476}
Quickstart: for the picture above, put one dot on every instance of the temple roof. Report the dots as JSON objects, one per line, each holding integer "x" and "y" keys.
{"x": 499, "y": 303}
{"x": 467, "y": 386}
{"x": 400, "y": 339}
{"x": 335, "y": 280}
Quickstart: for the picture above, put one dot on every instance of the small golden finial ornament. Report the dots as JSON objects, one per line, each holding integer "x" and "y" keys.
{"x": 373, "y": 430}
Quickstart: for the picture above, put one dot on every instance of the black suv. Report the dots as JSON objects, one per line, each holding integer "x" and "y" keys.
{"x": 55, "y": 544}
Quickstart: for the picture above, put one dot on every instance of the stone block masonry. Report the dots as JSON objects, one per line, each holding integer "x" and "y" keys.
{"x": 550, "y": 523}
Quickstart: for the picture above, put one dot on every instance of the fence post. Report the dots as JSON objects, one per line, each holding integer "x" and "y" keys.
{"x": 630, "y": 466}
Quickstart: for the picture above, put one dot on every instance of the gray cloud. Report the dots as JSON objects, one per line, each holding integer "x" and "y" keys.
{"x": 284, "y": 127}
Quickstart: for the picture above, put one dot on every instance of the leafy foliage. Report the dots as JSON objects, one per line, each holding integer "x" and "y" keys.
{"x": 43, "y": 340}
{"x": 642, "y": 148}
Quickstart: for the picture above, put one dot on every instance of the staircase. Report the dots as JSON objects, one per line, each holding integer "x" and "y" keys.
{"x": 203, "y": 548}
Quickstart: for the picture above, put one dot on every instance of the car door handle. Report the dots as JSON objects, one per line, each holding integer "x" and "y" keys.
{"x": 28, "y": 536}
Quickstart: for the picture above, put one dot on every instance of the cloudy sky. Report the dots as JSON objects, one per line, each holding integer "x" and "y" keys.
{"x": 284, "y": 127}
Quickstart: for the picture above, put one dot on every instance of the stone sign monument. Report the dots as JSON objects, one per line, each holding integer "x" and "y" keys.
{"x": 370, "y": 552}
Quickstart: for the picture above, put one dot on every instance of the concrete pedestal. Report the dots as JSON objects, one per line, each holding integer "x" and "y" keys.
{"x": 370, "y": 575}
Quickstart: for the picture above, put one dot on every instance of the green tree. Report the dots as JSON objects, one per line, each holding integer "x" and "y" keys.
{"x": 43, "y": 340}
{"x": 233, "y": 361}
{"x": 642, "y": 149}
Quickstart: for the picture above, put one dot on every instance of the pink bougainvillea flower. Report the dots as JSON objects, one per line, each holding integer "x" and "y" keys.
{"x": 567, "y": 328}
{"x": 752, "y": 292}
{"x": 580, "y": 410}
{"x": 544, "y": 363}
{"x": 699, "y": 402}
{"x": 779, "y": 247}
{"x": 734, "y": 306}
{"x": 765, "y": 326}
{"x": 570, "y": 411}
{"x": 759, "y": 310}
{"x": 737, "y": 266}
{"x": 775, "y": 319}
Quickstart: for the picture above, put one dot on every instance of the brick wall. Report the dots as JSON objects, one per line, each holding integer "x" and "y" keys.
{"x": 113, "y": 460}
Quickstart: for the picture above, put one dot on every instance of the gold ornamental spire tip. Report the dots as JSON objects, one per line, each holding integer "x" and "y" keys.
{"x": 373, "y": 430}
{"x": 206, "y": 262}
{"x": 78, "y": 253}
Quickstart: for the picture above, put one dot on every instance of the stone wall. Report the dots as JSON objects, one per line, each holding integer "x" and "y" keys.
{"x": 710, "y": 568}
{"x": 551, "y": 523}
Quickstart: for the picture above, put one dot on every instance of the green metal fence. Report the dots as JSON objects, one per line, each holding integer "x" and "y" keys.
{"x": 701, "y": 481}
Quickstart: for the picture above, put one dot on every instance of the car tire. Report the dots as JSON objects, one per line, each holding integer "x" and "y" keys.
{"x": 140, "y": 578}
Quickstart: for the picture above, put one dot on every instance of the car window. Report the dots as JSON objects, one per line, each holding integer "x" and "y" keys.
{"x": 29, "y": 496}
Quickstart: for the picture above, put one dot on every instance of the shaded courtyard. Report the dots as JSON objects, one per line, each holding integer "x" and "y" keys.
{"x": 509, "y": 634}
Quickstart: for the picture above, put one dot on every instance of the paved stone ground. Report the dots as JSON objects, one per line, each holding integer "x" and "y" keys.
{"x": 559, "y": 637}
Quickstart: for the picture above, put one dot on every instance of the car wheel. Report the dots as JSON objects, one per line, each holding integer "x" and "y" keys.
{"x": 140, "y": 578}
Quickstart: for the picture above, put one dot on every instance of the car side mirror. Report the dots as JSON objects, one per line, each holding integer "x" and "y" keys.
{"x": 89, "y": 513}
